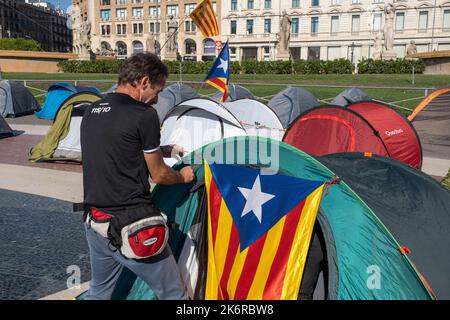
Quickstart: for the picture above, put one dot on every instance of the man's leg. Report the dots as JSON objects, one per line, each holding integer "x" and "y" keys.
{"x": 160, "y": 273}
{"x": 105, "y": 269}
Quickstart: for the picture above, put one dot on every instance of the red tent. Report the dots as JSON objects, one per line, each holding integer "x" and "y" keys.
{"x": 360, "y": 127}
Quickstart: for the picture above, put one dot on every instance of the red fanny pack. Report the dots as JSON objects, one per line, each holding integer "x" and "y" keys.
{"x": 144, "y": 238}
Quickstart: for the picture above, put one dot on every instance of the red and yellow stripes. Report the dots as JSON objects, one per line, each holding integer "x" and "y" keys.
{"x": 272, "y": 267}
{"x": 205, "y": 19}
{"x": 221, "y": 85}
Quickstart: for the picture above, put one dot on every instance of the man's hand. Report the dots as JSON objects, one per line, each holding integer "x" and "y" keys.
{"x": 188, "y": 174}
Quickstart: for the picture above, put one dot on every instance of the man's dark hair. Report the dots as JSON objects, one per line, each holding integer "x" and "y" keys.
{"x": 140, "y": 65}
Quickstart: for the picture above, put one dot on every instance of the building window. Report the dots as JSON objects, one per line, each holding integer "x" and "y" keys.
{"x": 154, "y": 11}
{"x": 105, "y": 15}
{"x": 315, "y": 3}
{"x": 423, "y": 21}
{"x": 334, "y": 24}
{"x": 233, "y": 27}
{"x": 105, "y": 29}
{"x": 314, "y": 25}
{"x": 121, "y": 29}
{"x": 295, "y": 3}
{"x": 172, "y": 10}
{"x": 155, "y": 27}
{"x": 121, "y": 49}
{"x": 120, "y": 2}
{"x": 121, "y": 14}
{"x": 138, "y": 28}
{"x": 355, "y": 23}
{"x": 250, "y": 26}
{"x": 105, "y": 2}
{"x": 314, "y": 53}
{"x": 267, "y": 25}
{"x": 190, "y": 47}
{"x": 446, "y": 23}
{"x": 267, "y": 4}
{"x": 209, "y": 47}
{"x": 336, "y": 2}
{"x": 377, "y": 21}
{"x": 188, "y": 8}
{"x": 190, "y": 26}
{"x": 399, "y": 21}
{"x": 250, "y": 4}
{"x": 138, "y": 12}
{"x": 233, "y": 5}
{"x": 138, "y": 47}
{"x": 295, "y": 25}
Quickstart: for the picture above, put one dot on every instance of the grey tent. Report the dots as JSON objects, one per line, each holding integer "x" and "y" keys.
{"x": 292, "y": 102}
{"x": 16, "y": 100}
{"x": 5, "y": 129}
{"x": 235, "y": 92}
{"x": 349, "y": 96}
{"x": 112, "y": 89}
{"x": 171, "y": 96}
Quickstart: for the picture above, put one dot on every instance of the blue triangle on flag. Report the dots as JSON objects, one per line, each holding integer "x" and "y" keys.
{"x": 258, "y": 201}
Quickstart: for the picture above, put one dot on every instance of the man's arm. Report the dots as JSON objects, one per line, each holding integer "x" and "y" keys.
{"x": 172, "y": 150}
{"x": 163, "y": 174}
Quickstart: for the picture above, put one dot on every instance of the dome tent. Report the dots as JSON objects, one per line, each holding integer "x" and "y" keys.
{"x": 349, "y": 96}
{"x": 290, "y": 103}
{"x": 16, "y": 100}
{"x": 360, "y": 127}
{"x": 356, "y": 237}
{"x": 171, "y": 96}
{"x": 197, "y": 122}
{"x": 5, "y": 129}
{"x": 256, "y": 118}
{"x": 57, "y": 94}
{"x": 62, "y": 141}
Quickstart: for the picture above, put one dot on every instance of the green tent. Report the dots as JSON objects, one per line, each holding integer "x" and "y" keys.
{"x": 357, "y": 242}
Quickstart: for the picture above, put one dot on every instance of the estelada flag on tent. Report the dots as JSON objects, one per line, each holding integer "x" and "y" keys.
{"x": 219, "y": 74}
{"x": 259, "y": 230}
{"x": 204, "y": 17}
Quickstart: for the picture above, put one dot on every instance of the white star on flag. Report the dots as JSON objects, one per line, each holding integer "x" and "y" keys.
{"x": 223, "y": 64}
{"x": 255, "y": 199}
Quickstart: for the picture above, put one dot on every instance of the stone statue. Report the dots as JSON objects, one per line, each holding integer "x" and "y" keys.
{"x": 412, "y": 49}
{"x": 284, "y": 36}
{"x": 86, "y": 34}
{"x": 378, "y": 46}
{"x": 172, "y": 35}
{"x": 389, "y": 12}
{"x": 151, "y": 43}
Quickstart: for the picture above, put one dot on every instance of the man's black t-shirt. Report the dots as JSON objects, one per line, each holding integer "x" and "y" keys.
{"x": 115, "y": 133}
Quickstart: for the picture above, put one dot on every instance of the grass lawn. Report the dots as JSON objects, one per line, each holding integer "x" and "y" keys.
{"x": 383, "y": 87}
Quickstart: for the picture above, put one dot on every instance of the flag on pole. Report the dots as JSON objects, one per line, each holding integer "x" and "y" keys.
{"x": 205, "y": 19}
{"x": 259, "y": 230}
{"x": 219, "y": 74}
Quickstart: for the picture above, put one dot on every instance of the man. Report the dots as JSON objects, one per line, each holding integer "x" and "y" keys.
{"x": 120, "y": 142}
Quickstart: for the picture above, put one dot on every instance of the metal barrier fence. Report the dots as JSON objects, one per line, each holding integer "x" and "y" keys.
{"x": 403, "y": 98}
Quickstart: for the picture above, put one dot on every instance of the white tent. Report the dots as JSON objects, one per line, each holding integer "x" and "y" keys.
{"x": 256, "y": 118}
{"x": 196, "y": 122}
